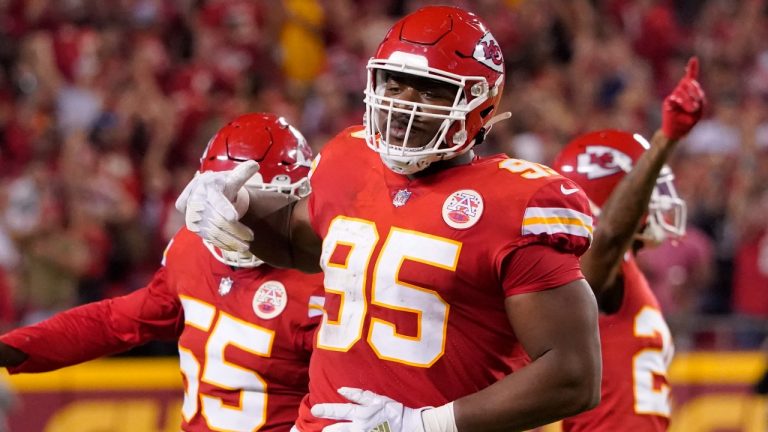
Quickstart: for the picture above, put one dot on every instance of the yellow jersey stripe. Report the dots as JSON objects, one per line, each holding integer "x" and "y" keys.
{"x": 556, "y": 221}
{"x": 560, "y": 212}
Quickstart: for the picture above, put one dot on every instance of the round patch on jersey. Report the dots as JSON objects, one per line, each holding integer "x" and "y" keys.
{"x": 463, "y": 209}
{"x": 270, "y": 300}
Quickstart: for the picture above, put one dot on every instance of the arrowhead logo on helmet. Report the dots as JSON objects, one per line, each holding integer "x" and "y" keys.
{"x": 599, "y": 160}
{"x": 602, "y": 161}
{"x": 488, "y": 52}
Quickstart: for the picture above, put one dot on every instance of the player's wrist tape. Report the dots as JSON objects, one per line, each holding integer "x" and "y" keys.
{"x": 439, "y": 419}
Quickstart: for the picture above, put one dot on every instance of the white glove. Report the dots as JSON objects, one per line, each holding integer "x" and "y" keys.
{"x": 214, "y": 202}
{"x": 369, "y": 412}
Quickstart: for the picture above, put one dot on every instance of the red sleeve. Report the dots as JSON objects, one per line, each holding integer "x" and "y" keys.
{"x": 537, "y": 268}
{"x": 99, "y": 329}
{"x": 558, "y": 215}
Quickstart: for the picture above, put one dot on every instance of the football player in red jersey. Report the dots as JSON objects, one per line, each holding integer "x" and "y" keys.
{"x": 244, "y": 328}
{"x": 629, "y": 187}
{"x": 437, "y": 263}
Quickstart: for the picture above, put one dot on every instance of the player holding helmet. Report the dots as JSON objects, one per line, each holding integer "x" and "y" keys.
{"x": 629, "y": 186}
{"x": 244, "y": 329}
{"x": 437, "y": 263}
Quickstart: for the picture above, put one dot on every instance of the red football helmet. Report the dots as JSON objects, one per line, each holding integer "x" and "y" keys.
{"x": 281, "y": 151}
{"x": 449, "y": 45}
{"x": 597, "y": 161}
{"x": 283, "y": 155}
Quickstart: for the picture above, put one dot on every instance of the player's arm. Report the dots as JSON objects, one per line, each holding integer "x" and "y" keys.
{"x": 273, "y": 226}
{"x": 558, "y": 329}
{"x": 554, "y": 315}
{"x": 94, "y": 330}
{"x": 282, "y": 231}
{"x": 621, "y": 216}
{"x": 624, "y": 209}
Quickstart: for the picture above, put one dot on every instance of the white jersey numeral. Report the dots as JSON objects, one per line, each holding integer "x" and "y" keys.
{"x": 348, "y": 280}
{"x": 224, "y": 330}
{"x": 649, "y": 363}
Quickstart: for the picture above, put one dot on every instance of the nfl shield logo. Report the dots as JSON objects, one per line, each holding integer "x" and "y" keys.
{"x": 225, "y": 286}
{"x": 401, "y": 197}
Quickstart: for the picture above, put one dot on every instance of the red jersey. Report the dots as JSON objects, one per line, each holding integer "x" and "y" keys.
{"x": 637, "y": 349}
{"x": 245, "y": 336}
{"x": 417, "y": 270}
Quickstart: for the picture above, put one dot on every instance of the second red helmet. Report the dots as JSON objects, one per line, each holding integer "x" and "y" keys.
{"x": 282, "y": 152}
{"x": 597, "y": 161}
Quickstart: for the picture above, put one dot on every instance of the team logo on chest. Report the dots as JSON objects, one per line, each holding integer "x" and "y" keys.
{"x": 270, "y": 300}
{"x": 463, "y": 209}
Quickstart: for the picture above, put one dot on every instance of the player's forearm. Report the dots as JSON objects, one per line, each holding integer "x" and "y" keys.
{"x": 622, "y": 213}
{"x": 281, "y": 231}
{"x": 552, "y": 387}
{"x": 97, "y": 329}
{"x": 66, "y": 339}
{"x": 558, "y": 329}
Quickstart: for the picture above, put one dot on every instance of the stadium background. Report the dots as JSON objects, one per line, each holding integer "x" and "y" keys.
{"x": 106, "y": 105}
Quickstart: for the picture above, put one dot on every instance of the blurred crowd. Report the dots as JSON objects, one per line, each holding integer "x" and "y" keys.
{"x": 106, "y": 106}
